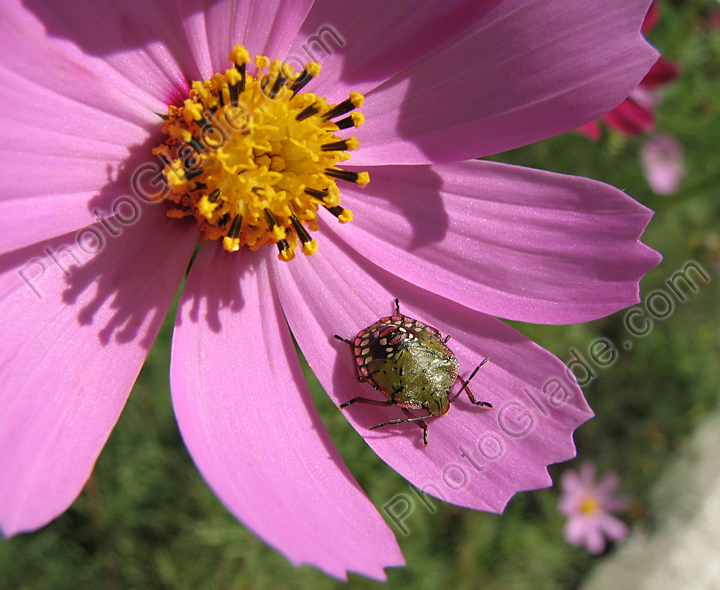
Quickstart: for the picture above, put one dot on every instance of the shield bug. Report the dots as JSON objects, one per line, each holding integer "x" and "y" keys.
{"x": 411, "y": 365}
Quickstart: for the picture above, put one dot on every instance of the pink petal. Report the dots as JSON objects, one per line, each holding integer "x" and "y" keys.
{"x": 713, "y": 19}
{"x": 529, "y": 70}
{"x": 135, "y": 46}
{"x": 70, "y": 194}
{"x": 513, "y": 242}
{"x": 272, "y": 25}
{"x": 606, "y": 492}
{"x": 265, "y": 28}
{"x": 616, "y": 504}
{"x": 569, "y": 504}
{"x": 594, "y": 539}
{"x": 587, "y": 476}
{"x": 608, "y": 485}
{"x": 362, "y": 45}
{"x": 73, "y": 136}
{"x": 630, "y": 118}
{"x": 476, "y": 457}
{"x": 249, "y": 422}
{"x": 645, "y": 98}
{"x": 72, "y": 347}
{"x": 613, "y": 528}
{"x": 651, "y": 18}
{"x": 591, "y": 130}
{"x": 208, "y": 60}
{"x": 96, "y": 119}
{"x": 572, "y": 491}
{"x": 576, "y": 530}
{"x": 663, "y": 72}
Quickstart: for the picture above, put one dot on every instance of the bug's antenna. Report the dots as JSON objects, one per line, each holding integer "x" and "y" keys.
{"x": 466, "y": 389}
{"x": 397, "y": 306}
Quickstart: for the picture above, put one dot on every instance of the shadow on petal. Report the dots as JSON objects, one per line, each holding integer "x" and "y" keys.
{"x": 135, "y": 37}
{"x": 123, "y": 268}
{"x": 212, "y": 295}
{"x": 424, "y": 210}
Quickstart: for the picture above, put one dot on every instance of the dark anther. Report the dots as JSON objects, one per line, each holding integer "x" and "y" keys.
{"x": 342, "y": 174}
{"x": 300, "y": 229}
{"x": 277, "y": 85}
{"x": 193, "y": 172}
{"x": 337, "y": 211}
{"x": 345, "y": 123}
{"x": 197, "y": 146}
{"x": 282, "y": 246}
{"x": 234, "y": 231}
{"x": 307, "y": 112}
{"x": 344, "y": 107}
{"x": 337, "y": 146}
{"x": 313, "y": 192}
{"x": 241, "y": 69}
{"x": 203, "y": 122}
{"x": 234, "y": 93}
{"x": 214, "y": 196}
{"x": 300, "y": 81}
{"x": 271, "y": 220}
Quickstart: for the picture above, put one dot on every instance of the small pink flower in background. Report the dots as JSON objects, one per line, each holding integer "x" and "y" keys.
{"x": 589, "y": 507}
{"x": 636, "y": 114}
{"x": 663, "y": 164}
{"x": 88, "y": 277}
{"x": 714, "y": 19}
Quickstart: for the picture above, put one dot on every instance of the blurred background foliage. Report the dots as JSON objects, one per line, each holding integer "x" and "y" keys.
{"x": 147, "y": 520}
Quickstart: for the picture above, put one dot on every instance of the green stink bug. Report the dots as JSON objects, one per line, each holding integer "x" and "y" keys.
{"x": 411, "y": 365}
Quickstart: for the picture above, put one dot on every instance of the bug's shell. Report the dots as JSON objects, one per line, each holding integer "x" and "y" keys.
{"x": 407, "y": 361}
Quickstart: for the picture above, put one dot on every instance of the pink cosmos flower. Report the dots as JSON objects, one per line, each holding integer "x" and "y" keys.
{"x": 89, "y": 269}
{"x": 636, "y": 114}
{"x": 588, "y": 507}
{"x": 662, "y": 163}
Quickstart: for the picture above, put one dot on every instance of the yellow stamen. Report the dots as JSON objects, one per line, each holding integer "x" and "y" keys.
{"x": 589, "y": 506}
{"x": 252, "y": 160}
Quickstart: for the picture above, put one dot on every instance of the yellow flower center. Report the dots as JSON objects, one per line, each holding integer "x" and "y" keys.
{"x": 252, "y": 160}
{"x": 589, "y": 506}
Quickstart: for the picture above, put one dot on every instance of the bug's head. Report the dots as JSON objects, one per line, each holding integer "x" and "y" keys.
{"x": 438, "y": 403}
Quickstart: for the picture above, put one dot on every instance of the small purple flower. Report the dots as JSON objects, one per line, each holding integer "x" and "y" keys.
{"x": 588, "y": 507}
{"x": 662, "y": 163}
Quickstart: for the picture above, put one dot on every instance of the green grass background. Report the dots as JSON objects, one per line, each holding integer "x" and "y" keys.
{"x": 147, "y": 520}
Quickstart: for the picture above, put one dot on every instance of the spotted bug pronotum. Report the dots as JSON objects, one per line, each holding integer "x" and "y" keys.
{"x": 411, "y": 365}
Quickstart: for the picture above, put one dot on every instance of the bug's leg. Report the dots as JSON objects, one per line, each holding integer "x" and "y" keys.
{"x": 367, "y": 400}
{"x": 345, "y": 340}
{"x": 472, "y": 397}
{"x": 419, "y": 419}
{"x": 421, "y": 423}
{"x": 446, "y": 341}
{"x": 466, "y": 389}
{"x": 397, "y": 306}
{"x": 465, "y": 383}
